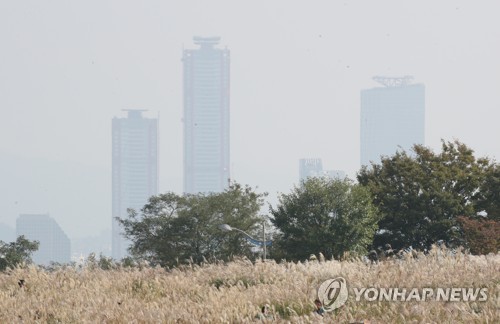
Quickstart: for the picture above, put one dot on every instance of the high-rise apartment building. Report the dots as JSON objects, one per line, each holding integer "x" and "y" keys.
{"x": 206, "y": 116}
{"x": 54, "y": 246}
{"x": 134, "y": 169}
{"x": 392, "y": 118}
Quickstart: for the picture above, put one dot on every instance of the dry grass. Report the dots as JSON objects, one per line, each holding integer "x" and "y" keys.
{"x": 234, "y": 292}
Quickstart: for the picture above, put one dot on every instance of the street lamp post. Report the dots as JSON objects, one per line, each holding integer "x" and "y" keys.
{"x": 227, "y": 228}
{"x": 264, "y": 238}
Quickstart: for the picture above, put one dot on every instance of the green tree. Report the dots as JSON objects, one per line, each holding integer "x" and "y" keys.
{"x": 173, "y": 229}
{"x": 323, "y": 215}
{"x": 489, "y": 200}
{"x": 16, "y": 253}
{"x": 421, "y": 195}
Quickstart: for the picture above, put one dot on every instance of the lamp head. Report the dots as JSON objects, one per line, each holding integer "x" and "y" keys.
{"x": 225, "y": 227}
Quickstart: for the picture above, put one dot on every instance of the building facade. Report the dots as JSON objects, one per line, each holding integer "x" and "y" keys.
{"x": 134, "y": 170}
{"x": 206, "y": 116}
{"x": 310, "y": 168}
{"x": 392, "y": 118}
{"x": 54, "y": 246}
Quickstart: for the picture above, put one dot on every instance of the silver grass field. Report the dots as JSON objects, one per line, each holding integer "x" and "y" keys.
{"x": 234, "y": 292}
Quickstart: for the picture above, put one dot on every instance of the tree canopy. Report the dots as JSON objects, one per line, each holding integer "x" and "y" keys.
{"x": 324, "y": 215}
{"x": 489, "y": 200}
{"x": 420, "y": 195}
{"x": 16, "y": 253}
{"x": 481, "y": 235}
{"x": 171, "y": 228}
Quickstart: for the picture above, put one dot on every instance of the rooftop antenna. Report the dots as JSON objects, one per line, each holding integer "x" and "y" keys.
{"x": 392, "y": 82}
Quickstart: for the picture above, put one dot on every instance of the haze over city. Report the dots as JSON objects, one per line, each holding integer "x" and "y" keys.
{"x": 297, "y": 69}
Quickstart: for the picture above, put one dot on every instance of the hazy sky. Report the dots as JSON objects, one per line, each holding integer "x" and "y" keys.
{"x": 297, "y": 68}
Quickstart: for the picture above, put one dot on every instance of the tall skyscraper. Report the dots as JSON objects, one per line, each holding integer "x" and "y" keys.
{"x": 135, "y": 170}
{"x": 54, "y": 246}
{"x": 392, "y": 117}
{"x": 206, "y": 117}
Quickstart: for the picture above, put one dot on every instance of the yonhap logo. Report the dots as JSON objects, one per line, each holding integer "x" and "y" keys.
{"x": 333, "y": 293}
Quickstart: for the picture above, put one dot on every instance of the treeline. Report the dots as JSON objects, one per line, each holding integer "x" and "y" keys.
{"x": 410, "y": 199}
{"x": 425, "y": 197}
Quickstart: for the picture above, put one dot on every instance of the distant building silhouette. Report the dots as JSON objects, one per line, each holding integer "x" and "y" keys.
{"x": 206, "y": 117}
{"x": 135, "y": 170}
{"x": 309, "y": 168}
{"x": 392, "y": 117}
{"x": 54, "y": 246}
{"x": 99, "y": 243}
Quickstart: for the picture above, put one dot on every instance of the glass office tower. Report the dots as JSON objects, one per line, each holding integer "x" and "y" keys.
{"x": 392, "y": 118}
{"x": 135, "y": 170}
{"x": 206, "y": 117}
